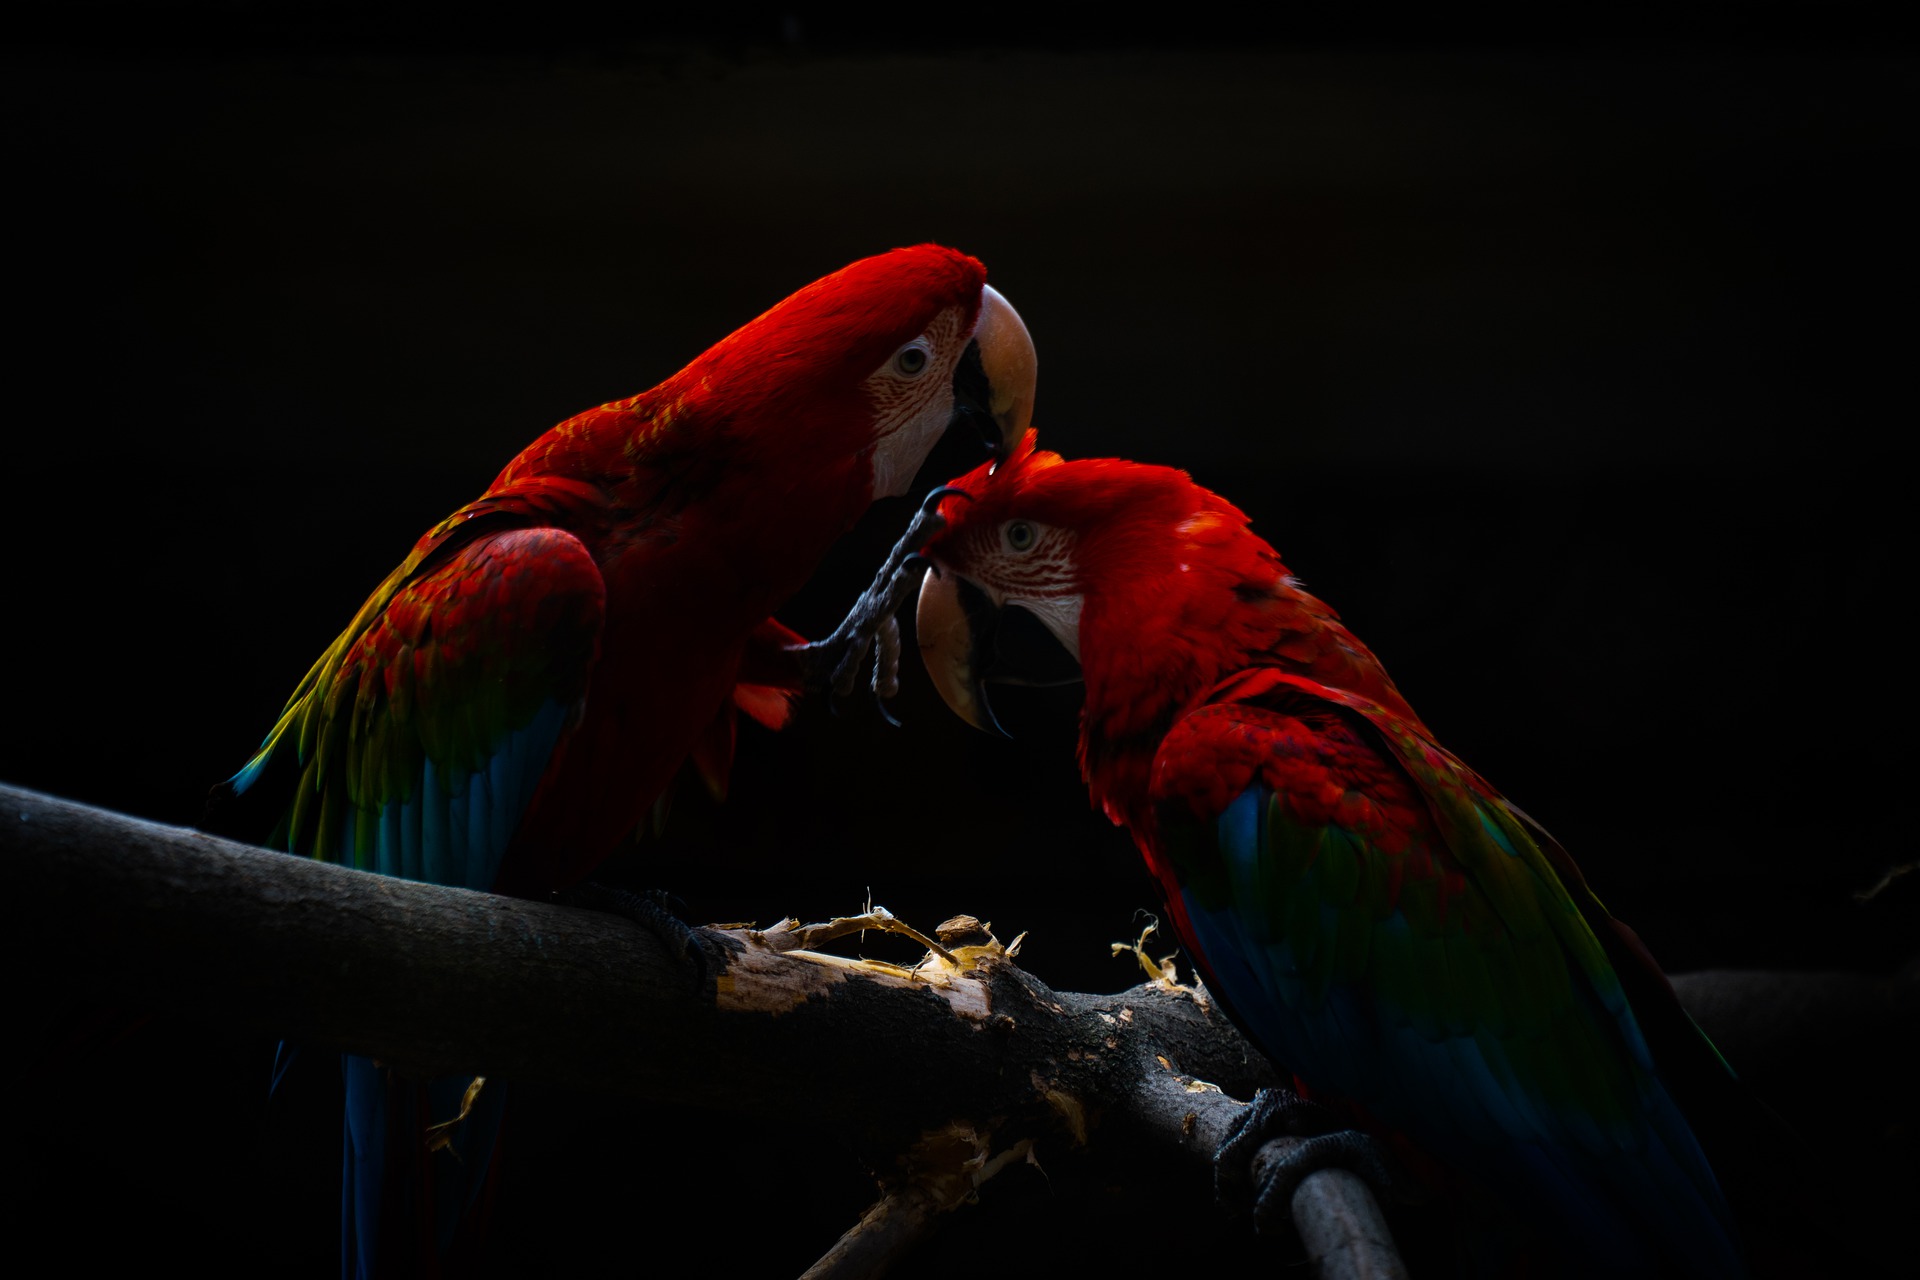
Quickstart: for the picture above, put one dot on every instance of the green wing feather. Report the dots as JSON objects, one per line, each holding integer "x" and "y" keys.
{"x": 1385, "y": 926}
{"x": 416, "y": 743}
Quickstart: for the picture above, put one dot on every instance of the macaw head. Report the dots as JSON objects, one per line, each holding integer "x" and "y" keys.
{"x": 874, "y": 362}
{"x": 1119, "y": 572}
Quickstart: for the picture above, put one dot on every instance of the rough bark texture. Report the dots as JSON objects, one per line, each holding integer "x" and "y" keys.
{"x": 939, "y": 1076}
{"x": 445, "y": 980}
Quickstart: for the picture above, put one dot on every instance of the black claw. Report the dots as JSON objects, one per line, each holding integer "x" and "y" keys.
{"x": 658, "y": 911}
{"x": 1280, "y": 1175}
{"x": 711, "y": 953}
{"x": 933, "y": 499}
{"x": 832, "y": 665}
{"x": 1242, "y": 1177}
{"x": 885, "y": 714}
{"x": 1272, "y": 1113}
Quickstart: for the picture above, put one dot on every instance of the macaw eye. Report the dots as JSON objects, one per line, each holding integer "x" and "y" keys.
{"x": 1020, "y": 535}
{"x": 912, "y": 360}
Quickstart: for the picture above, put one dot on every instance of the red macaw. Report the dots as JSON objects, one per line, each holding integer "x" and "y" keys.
{"x": 1373, "y": 914}
{"x": 510, "y": 702}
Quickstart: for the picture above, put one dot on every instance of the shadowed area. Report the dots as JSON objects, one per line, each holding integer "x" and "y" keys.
{"x": 1575, "y": 378}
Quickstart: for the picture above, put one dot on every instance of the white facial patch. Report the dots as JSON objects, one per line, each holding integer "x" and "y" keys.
{"x": 910, "y": 411}
{"x": 1042, "y": 579}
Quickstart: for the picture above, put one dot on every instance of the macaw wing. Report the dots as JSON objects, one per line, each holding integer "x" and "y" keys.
{"x": 1384, "y": 927}
{"x": 416, "y": 743}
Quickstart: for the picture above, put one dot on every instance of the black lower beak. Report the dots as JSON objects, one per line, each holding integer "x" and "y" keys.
{"x": 973, "y": 418}
{"x": 1025, "y": 652}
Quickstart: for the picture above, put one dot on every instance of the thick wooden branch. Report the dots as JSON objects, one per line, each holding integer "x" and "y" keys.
{"x": 444, "y": 980}
{"x": 939, "y": 1076}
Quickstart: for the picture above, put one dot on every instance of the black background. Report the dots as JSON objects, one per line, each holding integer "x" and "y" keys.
{"x": 1576, "y": 372}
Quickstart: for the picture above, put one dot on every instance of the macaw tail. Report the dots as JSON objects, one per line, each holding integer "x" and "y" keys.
{"x": 405, "y": 1208}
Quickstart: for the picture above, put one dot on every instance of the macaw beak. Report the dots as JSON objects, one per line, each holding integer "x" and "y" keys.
{"x": 994, "y": 381}
{"x": 954, "y": 624}
{"x": 966, "y": 641}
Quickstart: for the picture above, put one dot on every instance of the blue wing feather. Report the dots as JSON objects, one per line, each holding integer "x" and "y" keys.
{"x": 431, "y": 723}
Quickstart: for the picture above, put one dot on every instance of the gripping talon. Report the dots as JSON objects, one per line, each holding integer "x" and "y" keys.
{"x": 1272, "y": 1113}
{"x": 886, "y": 659}
{"x": 833, "y": 663}
{"x": 848, "y": 668}
{"x": 706, "y": 952}
{"x": 932, "y": 501}
{"x": 927, "y": 522}
{"x": 886, "y": 667}
{"x": 1249, "y": 1173}
{"x": 1280, "y": 1175}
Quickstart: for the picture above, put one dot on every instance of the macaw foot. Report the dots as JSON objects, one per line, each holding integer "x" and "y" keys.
{"x": 440, "y": 1136}
{"x": 706, "y": 951}
{"x": 834, "y": 663}
{"x": 1312, "y": 1141}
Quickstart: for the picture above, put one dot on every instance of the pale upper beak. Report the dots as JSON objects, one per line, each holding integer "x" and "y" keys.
{"x": 967, "y": 640}
{"x": 952, "y": 622}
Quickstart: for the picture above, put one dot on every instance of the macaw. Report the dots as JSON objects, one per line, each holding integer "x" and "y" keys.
{"x": 1420, "y": 954}
{"x": 510, "y": 702}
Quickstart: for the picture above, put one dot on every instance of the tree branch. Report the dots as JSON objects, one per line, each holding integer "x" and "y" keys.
{"x": 938, "y": 1076}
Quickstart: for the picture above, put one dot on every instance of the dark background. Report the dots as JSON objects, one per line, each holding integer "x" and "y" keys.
{"x": 1574, "y": 367}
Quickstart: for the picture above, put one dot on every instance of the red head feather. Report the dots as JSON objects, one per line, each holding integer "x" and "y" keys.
{"x": 1172, "y": 592}
{"x": 842, "y": 325}
{"x": 786, "y": 387}
{"x": 1129, "y": 521}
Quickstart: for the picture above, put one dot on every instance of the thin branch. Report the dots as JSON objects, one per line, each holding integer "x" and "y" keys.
{"x": 896, "y": 1223}
{"x": 1885, "y": 882}
{"x": 945, "y": 1170}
